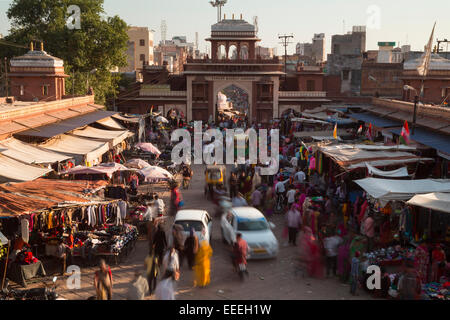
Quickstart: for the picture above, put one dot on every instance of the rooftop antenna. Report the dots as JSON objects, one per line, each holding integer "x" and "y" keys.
{"x": 343, "y": 26}
{"x": 218, "y": 4}
{"x": 163, "y": 31}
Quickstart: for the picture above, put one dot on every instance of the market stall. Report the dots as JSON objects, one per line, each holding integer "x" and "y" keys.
{"x": 113, "y": 137}
{"x": 13, "y": 171}
{"x": 84, "y": 151}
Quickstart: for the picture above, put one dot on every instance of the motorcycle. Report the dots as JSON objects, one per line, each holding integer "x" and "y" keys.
{"x": 46, "y": 293}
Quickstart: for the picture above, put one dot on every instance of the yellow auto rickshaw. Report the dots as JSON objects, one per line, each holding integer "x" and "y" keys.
{"x": 215, "y": 175}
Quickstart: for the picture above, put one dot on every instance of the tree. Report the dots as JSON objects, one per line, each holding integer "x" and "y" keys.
{"x": 100, "y": 43}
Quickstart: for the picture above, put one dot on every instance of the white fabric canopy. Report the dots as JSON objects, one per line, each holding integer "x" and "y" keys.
{"x": 153, "y": 174}
{"x": 71, "y": 145}
{"x": 385, "y": 163}
{"x": 401, "y": 172}
{"x": 111, "y": 124}
{"x": 13, "y": 170}
{"x": 104, "y": 168}
{"x": 387, "y": 190}
{"x": 355, "y": 156}
{"x": 126, "y": 119}
{"x": 113, "y": 137}
{"x": 148, "y": 147}
{"x": 28, "y": 153}
{"x": 137, "y": 164}
{"x": 435, "y": 201}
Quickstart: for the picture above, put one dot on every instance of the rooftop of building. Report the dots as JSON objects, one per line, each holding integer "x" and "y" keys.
{"x": 34, "y": 58}
{"x": 436, "y": 63}
{"x": 232, "y": 25}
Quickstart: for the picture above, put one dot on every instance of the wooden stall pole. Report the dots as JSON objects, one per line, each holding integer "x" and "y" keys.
{"x": 6, "y": 264}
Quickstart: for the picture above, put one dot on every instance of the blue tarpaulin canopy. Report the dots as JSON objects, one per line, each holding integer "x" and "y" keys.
{"x": 440, "y": 142}
{"x": 376, "y": 120}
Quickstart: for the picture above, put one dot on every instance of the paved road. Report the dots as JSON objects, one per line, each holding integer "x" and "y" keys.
{"x": 279, "y": 278}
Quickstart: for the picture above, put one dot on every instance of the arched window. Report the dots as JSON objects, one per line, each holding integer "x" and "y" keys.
{"x": 244, "y": 52}
{"x": 221, "y": 52}
{"x": 232, "y": 52}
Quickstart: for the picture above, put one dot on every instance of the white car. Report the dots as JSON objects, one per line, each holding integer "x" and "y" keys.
{"x": 255, "y": 230}
{"x": 200, "y": 220}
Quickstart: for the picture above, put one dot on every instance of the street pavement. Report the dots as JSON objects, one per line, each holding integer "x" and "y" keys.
{"x": 281, "y": 278}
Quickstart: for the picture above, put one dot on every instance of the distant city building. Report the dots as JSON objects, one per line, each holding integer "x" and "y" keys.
{"x": 314, "y": 50}
{"x": 139, "y": 50}
{"x": 346, "y": 59}
{"x": 266, "y": 53}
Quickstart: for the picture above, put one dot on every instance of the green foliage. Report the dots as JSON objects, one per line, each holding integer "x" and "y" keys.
{"x": 100, "y": 44}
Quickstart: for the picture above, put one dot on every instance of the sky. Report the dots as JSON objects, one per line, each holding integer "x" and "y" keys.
{"x": 401, "y": 21}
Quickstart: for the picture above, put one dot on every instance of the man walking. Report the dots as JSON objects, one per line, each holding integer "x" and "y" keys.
{"x": 152, "y": 266}
{"x": 293, "y": 222}
{"x": 331, "y": 245}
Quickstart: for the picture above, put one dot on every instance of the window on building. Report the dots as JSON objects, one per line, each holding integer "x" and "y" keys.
{"x": 345, "y": 74}
{"x": 310, "y": 85}
{"x": 336, "y": 49}
{"x": 142, "y": 57}
{"x": 22, "y": 91}
{"x": 45, "y": 90}
{"x": 142, "y": 43}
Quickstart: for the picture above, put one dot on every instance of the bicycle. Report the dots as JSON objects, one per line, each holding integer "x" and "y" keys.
{"x": 279, "y": 205}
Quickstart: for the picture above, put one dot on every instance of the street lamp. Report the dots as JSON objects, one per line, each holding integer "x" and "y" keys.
{"x": 416, "y": 100}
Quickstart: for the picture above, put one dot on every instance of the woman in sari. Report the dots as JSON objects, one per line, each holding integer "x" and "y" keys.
{"x": 310, "y": 253}
{"x": 421, "y": 259}
{"x": 343, "y": 260}
{"x": 202, "y": 266}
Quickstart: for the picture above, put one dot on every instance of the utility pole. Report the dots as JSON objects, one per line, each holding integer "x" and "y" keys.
{"x": 6, "y": 78}
{"x": 285, "y": 42}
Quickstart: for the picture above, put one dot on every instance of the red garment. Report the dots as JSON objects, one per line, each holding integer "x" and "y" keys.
{"x": 363, "y": 210}
{"x": 240, "y": 249}
{"x": 437, "y": 255}
{"x": 315, "y": 268}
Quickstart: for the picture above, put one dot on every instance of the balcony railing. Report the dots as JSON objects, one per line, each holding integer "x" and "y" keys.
{"x": 301, "y": 94}
{"x": 161, "y": 93}
{"x": 274, "y": 60}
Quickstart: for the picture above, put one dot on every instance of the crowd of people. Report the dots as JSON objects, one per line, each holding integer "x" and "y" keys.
{"x": 333, "y": 234}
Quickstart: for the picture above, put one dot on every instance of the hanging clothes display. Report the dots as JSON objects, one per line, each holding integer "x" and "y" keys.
{"x": 25, "y": 231}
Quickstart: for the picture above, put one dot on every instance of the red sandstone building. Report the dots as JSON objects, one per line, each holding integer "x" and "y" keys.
{"x": 253, "y": 84}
